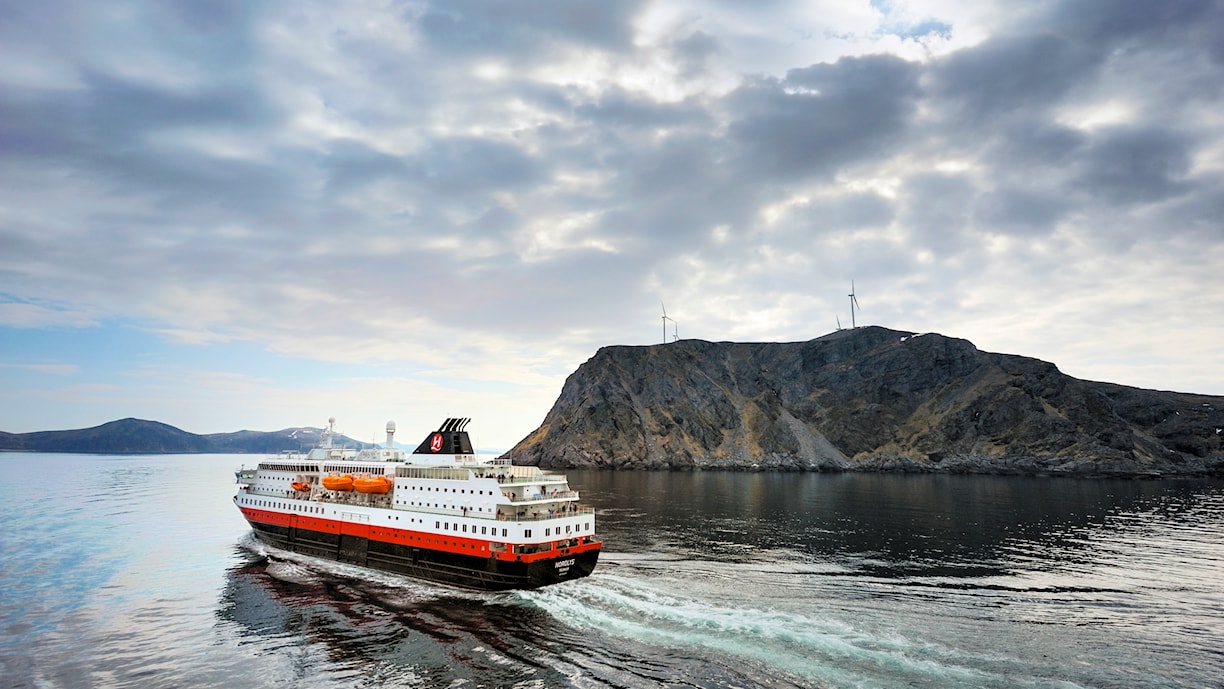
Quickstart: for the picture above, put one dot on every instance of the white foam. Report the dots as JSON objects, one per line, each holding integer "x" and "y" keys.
{"x": 824, "y": 648}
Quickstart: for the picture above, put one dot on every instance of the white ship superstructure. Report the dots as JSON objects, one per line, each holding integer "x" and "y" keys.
{"x": 438, "y": 513}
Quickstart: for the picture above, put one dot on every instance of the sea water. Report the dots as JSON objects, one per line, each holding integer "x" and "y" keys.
{"x": 140, "y": 572}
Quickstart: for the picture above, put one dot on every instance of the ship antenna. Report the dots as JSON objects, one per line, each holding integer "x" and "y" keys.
{"x": 331, "y": 429}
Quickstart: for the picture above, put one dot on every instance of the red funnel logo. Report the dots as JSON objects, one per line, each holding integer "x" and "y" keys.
{"x": 435, "y": 443}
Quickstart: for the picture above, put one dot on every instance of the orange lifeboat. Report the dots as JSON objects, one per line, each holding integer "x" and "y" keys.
{"x": 301, "y": 487}
{"x": 374, "y": 484}
{"x": 338, "y": 482}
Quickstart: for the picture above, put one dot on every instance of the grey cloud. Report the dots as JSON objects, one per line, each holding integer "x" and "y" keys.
{"x": 937, "y": 212}
{"x": 114, "y": 114}
{"x": 123, "y": 136}
{"x": 675, "y": 193}
{"x": 1208, "y": 33}
{"x": 352, "y": 164}
{"x": 1025, "y": 145}
{"x": 1020, "y": 211}
{"x": 1195, "y": 215}
{"x": 1127, "y": 166}
{"x": 463, "y": 166}
{"x": 39, "y": 126}
{"x": 693, "y": 52}
{"x": 1111, "y": 21}
{"x": 1003, "y": 76}
{"x": 621, "y": 109}
{"x": 850, "y": 212}
{"x": 517, "y": 28}
{"x": 118, "y": 110}
{"x": 589, "y": 276}
{"x": 823, "y": 116}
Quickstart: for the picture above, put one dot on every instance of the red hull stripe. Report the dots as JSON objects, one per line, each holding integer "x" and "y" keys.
{"x": 419, "y": 539}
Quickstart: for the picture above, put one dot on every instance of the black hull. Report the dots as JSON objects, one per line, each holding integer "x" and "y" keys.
{"x": 453, "y": 569}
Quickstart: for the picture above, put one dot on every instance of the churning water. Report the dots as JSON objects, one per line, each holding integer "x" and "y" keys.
{"x": 139, "y": 572}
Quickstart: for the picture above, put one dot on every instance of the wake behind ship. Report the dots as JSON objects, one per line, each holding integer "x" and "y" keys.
{"x": 438, "y": 514}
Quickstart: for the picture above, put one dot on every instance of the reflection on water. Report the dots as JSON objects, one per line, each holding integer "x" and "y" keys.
{"x": 879, "y": 524}
{"x": 343, "y": 622}
{"x": 138, "y": 572}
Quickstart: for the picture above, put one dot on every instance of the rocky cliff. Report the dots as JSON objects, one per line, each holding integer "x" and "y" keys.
{"x": 866, "y": 399}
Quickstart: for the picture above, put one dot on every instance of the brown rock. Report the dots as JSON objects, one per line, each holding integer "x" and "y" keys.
{"x": 868, "y": 399}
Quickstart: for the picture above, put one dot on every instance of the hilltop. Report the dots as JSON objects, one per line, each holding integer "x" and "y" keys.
{"x": 866, "y": 399}
{"x": 137, "y": 436}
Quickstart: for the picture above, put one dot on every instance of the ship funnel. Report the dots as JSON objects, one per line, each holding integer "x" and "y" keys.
{"x": 449, "y": 439}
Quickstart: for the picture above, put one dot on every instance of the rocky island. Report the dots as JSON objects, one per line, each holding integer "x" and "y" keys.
{"x": 866, "y": 399}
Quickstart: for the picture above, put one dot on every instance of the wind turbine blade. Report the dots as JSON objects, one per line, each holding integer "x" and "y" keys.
{"x": 664, "y": 308}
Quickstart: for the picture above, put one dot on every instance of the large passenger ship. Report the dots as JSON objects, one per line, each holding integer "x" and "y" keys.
{"x": 438, "y": 513}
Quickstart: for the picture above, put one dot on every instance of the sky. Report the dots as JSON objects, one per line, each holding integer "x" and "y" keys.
{"x": 259, "y": 215}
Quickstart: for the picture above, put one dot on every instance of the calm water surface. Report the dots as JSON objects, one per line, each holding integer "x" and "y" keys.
{"x": 139, "y": 572}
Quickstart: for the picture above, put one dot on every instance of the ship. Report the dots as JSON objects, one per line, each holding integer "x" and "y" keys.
{"x": 439, "y": 513}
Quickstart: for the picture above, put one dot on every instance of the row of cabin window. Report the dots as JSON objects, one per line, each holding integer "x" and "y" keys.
{"x": 484, "y": 530}
{"x": 310, "y": 509}
{"x": 349, "y": 469}
{"x": 436, "y": 505}
{"x": 547, "y": 531}
{"x": 453, "y": 490}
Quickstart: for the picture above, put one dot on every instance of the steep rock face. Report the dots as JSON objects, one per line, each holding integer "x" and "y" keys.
{"x": 865, "y": 399}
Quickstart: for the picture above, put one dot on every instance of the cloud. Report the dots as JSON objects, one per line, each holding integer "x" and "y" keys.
{"x": 49, "y": 369}
{"x": 30, "y": 315}
{"x": 504, "y": 187}
{"x": 1011, "y": 76}
{"x": 1136, "y": 166}
{"x": 823, "y": 116}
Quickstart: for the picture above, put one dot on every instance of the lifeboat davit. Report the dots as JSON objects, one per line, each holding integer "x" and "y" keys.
{"x": 301, "y": 487}
{"x": 338, "y": 482}
{"x": 374, "y": 484}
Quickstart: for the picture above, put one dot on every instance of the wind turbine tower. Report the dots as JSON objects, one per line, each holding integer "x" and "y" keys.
{"x": 853, "y": 303}
{"x": 665, "y": 320}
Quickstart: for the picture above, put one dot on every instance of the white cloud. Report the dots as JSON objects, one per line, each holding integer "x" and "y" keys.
{"x": 494, "y": 194}
{"x": 27, "y": 315}
{"x": 49, "y": 369}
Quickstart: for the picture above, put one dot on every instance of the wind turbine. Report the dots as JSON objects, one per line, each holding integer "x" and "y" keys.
{"x": 853, "y": 303}
{"x": 675, "y": 331}
{"x": 665, "y": 320}
{"x": 838, "y": 321}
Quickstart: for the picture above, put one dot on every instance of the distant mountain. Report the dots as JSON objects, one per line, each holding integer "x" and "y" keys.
{"x": 866, "y": 399}
{"x": 136, "y": 436}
